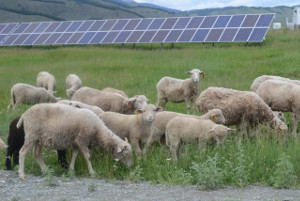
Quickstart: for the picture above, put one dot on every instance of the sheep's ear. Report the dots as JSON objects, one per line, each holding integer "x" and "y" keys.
{"x": 119, "y": 150}
{"x": 77, "y": 106}
{"x": 139, "y": 111}
{"x": 126, "y": 139}
{"x": 189, "y": 72}
{"x": 230, "y": 129}
{"x": 212, "y": 131}
{"x": 158, "y": 109}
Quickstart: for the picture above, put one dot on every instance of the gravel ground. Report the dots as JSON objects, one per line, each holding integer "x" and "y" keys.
{"x": 38, "y": 189}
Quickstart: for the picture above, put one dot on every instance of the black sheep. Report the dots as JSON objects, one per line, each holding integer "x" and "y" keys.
{"x": 15, "y": 142}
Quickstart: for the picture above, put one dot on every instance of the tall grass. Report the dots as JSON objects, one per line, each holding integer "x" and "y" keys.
{"x": 136, "y": 71}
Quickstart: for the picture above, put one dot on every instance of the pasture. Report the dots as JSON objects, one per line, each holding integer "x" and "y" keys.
{"x": 266, "y": 159}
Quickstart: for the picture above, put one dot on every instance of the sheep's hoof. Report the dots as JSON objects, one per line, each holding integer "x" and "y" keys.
{"x": 23, "y": 178}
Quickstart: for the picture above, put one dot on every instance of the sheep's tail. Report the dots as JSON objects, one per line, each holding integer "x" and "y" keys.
{"x": 12, "y": 100}
{"x": 20, "y": 122}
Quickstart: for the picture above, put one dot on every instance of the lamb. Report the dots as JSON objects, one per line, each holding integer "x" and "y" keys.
{"x": 259, "y": 80}
{"x": 2, "y": 144}
{"x": 15, "y": 142}
{"x": 95, "y": 109}
{"x": 177, "y": 90}
{"x": 73, "y": 83}
{"x": 162, "y": 118}
{"x": 46, "y": 80}
{"x": 186, "y": 129}
{"x": 112, "y": 90}
{"x": 28, "y": 94}
{"x": 282, "y": 96}
{"x": 109, "y": 101}
{"x": 58, "y": 126}
{"x": 137, "y": 128}
{"x": 240, "y": 108}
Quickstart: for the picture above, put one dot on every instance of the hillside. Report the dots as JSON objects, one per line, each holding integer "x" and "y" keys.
{"x": 64, "y": 10}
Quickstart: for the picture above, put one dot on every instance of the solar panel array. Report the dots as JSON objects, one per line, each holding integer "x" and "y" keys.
{"x": 224, "y": 28}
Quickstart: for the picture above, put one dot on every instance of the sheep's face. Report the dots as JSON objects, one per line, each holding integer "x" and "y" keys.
{"x": 148, "y": 112}
{"x": 123, "y": 153}
{"x": 70, "y": 93}
{"x": 219, "y": 133}
{"x": 279, "y": 125}
{"x": 195, "y": 74}
{"x": 217, "y": 116}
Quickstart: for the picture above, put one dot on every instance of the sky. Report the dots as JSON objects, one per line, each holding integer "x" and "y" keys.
{"x": 202, "y": 4}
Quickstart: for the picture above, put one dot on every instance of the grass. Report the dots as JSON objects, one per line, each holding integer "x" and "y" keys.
{"x": 136, "y": 71}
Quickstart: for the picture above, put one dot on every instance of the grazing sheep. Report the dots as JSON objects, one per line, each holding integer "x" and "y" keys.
{"x": 137, "y": 128}
{"x": 109, "y": 101}
{"x": 240, "y": 108}
{"x": 47, "y": 81}
{"x": 177, "y": 90}
{"x": 28, "y": 94}
{"x": 186, "y": 129}
{"x": 162, "y": 118}
{"x": 73, "y": 83}
{"x": 15, "y": 142}
{"x": 2, "y": 144}
{"x": 95, "y": 109}
{"x": 58, "y": 126}
{"x": 282, "y": 96}
{"x": 112, "y": 90}
{"x": 259, "y": 80}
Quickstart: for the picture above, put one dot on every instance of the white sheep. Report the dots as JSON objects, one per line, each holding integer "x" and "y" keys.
{"x": 46, "y": 80}
{"x": 113, "y": 90}
{"x": 58, "y": 126}
{"x": 78, "y": 104}
{"x": 282, "y": 96}
{"x": 259, "y": 80}
{"x": 73, "y": 83}
{"x": 109, "y": 101}
{"x": 240, "y": 108}
{"x": 28, "y": 94}
{"x": 162, "y": 118}
{"x": 178, "y": 90}
{"x": 186, "y": 129}
{"x": 2, "y": 144}
{"x": 137, "y": 128}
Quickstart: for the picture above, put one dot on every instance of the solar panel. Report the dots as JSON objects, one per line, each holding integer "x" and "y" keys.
{"x": 223, "y": 28}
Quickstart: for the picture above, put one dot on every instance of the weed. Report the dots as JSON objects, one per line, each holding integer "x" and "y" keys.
{"x": 50, "y": 179}
{"x": 136, "y": 174}
{"x": 92, "y": 187}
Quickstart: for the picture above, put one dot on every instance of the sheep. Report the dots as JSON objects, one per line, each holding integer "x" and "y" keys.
{"x": 259, "y": 80}
{"x": 112, "y": 90}
{"x": 109, "y": 101}
{"x": 47, "y": 81}
{"x": 137, "y": 128}
{"x": 59, "y": 126}
{"x": 188, "y": 129}
{"x": 178, "y": 90}
{"x": 2, "y": 144}
{"x": 162, "y": 118}
{"x": 282, "y": 96}
{"x": 28, "y": 94}
{"x": 240, "y": 108}
{"x": 73, "y": 83}
{"x": 15, "y": 142}
{"x": 78, "y": 104}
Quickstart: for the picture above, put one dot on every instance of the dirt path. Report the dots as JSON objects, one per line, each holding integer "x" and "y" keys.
{"x": 38, "y": 189}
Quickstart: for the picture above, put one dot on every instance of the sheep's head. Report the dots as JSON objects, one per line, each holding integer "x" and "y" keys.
{"x": 148, "y": 112}
{"x": 70, "y": 92}
{"x": 219, "y": 133}
{"x": 123, "y": 153}
{"x": 216, "y": 115}
{"x": 195, "y": 74}
{"x": 278, "y": 125}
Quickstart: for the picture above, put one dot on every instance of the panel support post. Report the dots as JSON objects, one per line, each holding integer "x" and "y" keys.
{"x": 161, "y": 46}
{"x": 122, "y": 46}
{"x": 134, "y": 46}
{"x": 173, "y": 45}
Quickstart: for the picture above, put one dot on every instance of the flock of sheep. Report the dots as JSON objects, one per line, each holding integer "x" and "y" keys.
{"x": 107, "y": 118}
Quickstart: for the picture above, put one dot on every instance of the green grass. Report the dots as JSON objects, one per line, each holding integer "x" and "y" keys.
{"x": 136, "y": 71}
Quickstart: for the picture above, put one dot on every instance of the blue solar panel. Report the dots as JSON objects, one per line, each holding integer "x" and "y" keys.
{"x": 222, "y": 21}
{"x": 223, "y": 28}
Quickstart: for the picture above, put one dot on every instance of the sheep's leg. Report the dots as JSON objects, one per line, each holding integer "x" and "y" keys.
{"x": 16, "y": 156}
{"x": 136, "y": 145}
{"x": 295, "y": 124}
{"x": 187, "y": 106}
{"x": 38, "y": 158}
{"x": 174, "y": 149}
{"x": 62, "y": 159}
{"x": 74, "y": 155}
{"x": 8, "y": 158}
{"x": 87, "y": 157}
{"x": 23, "y": 152}
{"x": 201, "y": 146}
